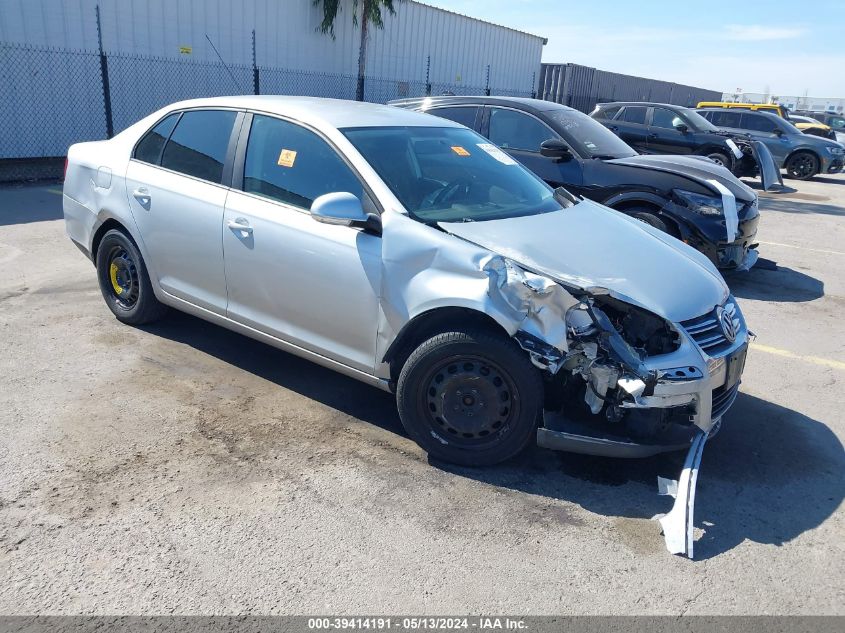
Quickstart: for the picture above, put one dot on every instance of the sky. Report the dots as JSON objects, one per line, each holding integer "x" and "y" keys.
{"x": 775, "y": 46}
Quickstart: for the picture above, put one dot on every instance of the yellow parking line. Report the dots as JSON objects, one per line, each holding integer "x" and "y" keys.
{"x": 826, "y": 362}
{"x": 803, "y": 248}
{"x": 58, "y": 192}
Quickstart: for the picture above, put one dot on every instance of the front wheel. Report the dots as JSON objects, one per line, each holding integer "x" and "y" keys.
{"x": 124, "y": 280}
{"x": 802, "y": 166}
{"x": 720, "y": 159}
{"x": 470, "y": 397}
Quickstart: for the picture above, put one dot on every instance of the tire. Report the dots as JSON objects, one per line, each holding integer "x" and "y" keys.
{"x": 721, "y": 158}
{"x": 650, "y": 219}
{"x": 802, "y": 165}
{"x": 124, "y": 281}
{"x": 446, "y": 389}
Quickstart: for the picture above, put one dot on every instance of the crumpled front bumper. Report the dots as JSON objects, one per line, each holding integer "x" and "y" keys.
{"x": 696, "y": 387}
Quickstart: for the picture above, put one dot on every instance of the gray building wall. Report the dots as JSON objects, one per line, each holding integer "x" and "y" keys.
{"x": 582, "y": 87}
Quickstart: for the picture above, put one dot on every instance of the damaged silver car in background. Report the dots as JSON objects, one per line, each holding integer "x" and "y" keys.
{"x": 408, "y": 252}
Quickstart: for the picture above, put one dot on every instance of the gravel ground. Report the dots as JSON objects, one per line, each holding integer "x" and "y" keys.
{"x": 181, "y": 468}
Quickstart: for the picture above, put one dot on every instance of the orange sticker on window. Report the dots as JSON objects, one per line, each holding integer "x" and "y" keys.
{"x": 287, "y": 158}
{"x": 460, "y": 151}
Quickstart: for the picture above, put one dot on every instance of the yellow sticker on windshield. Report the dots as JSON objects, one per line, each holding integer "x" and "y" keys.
{"x": 287, "y": 158}
{"x": 460, "y": 151}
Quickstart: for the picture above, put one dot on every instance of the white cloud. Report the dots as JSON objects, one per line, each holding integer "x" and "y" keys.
{"x": 760, "y": 32}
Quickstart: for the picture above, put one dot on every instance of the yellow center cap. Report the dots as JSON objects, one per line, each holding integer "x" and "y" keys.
{"x": 113, "y": 275}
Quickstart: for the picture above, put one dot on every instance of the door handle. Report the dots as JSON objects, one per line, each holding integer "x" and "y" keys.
{"x": 652, "y": 135}
{"x": 142, "y": 195}
{"x": 613, "y": 128}
{"x": 240, "y": 225}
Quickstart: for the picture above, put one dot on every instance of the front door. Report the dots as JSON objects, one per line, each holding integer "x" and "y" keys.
{"x": 313, "y": 285}
{"x": 664, "y": 137}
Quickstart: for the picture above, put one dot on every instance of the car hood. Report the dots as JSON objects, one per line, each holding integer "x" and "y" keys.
{"x": 698, "y": 168}
{"x": 590, "y": 246}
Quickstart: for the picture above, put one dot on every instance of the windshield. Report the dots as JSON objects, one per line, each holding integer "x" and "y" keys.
{"x": 451, "y": 174}
{"x": 836, "y": 122}
{"x": 698, "y": 122}
{"x": 587, "y": 136}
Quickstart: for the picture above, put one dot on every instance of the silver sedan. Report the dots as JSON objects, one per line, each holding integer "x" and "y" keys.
{"x": 408, "y": 252}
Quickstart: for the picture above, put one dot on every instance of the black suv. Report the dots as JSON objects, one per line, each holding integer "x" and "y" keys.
{"x": 688, "y": 197}
{"x": 659, "y": 128}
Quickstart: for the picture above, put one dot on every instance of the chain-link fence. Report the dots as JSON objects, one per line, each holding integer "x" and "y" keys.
{"x": 52, "y": 98}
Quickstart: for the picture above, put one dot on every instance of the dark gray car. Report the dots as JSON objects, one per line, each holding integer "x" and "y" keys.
{"x": 802, "y": 155}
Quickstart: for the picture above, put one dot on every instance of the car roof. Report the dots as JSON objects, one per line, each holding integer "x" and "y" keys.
{"x": 647, "y": 104}
{"x": 441, "y": 100}
{"x": 320, "y": 112}
{"x": 757, "y": 112}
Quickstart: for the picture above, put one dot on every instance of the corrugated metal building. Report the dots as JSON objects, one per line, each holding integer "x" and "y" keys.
{"x": 582, "y": 87}
{"x": 460, "y": 47}
{"x": 57, "y": 89}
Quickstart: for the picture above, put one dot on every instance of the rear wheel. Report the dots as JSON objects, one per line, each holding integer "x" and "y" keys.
{"x": 124, "y": 281}
{"x": 470, "y": 397}
{"x": 802, "y": 166}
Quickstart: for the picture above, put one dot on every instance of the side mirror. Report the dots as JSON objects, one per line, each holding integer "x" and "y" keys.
{"x": 682, "y": 128}
{"x": 339, "y": 208}
{"x": 778, "y": 131}
{"x": 555, "y": 148}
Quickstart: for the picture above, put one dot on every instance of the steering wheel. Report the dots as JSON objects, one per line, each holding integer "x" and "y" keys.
{"x": 449, "y": 190}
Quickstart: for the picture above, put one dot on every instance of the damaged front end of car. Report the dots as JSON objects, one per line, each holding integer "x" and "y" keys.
{"x": 622, "y": 381}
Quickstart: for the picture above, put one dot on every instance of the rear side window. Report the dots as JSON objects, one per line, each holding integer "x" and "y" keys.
{"x": 464, "y": 115}
{"x": 757, "y": 123}
{"x": 633, "y": 114}
{"x": 198, "y": 145}
{"x": 149, "y": 147}
{"x": 291, "y": 164}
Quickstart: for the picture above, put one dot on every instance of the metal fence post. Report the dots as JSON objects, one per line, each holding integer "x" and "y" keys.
{"x": 255, "y": 79}
{"x": 104, "y": 74}
{"x": 534, "y": 85}
{"x": 428, "y": 76}
{"x": 487, "y": 88}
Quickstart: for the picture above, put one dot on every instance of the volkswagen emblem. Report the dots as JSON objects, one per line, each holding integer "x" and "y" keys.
{"x": 727, "y": 324}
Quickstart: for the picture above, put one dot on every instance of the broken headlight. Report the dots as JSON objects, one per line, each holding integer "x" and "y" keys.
{"x": 699, "y": 203}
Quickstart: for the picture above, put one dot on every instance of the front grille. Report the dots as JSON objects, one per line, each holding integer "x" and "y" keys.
{"x": 722, "y": 400}
{"x": 707, "y": 331}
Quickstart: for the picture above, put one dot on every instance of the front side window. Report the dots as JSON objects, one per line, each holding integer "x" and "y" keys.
{"x": 514, "y": 130}
{"x": 608, "y": 113}
{"x": 633, "y": 114}
{"x": 289, "y": 163}
{"x": 666, "y": 119}
{"x": 465, "y": 115}
{"x": 727, "y": 118}
{"x": 197, "y": 147}
{"x": 451, "y": 174}
{"x": 758, "y": 123}
{"x": 150, "y": 146}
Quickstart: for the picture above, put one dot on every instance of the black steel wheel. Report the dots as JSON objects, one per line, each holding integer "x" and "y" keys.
{"x": 802, "y": 166}
{"x": 471, "y": 398}
{"x": 124, "y": 281}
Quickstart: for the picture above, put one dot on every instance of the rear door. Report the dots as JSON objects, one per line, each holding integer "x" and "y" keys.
{"x": 520, "y": 134}
{"x": 174, "y": 183}
{"x": 311, "y": 284}
{"x": 664, "y": 137}
{"x": 630, "y": 126}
